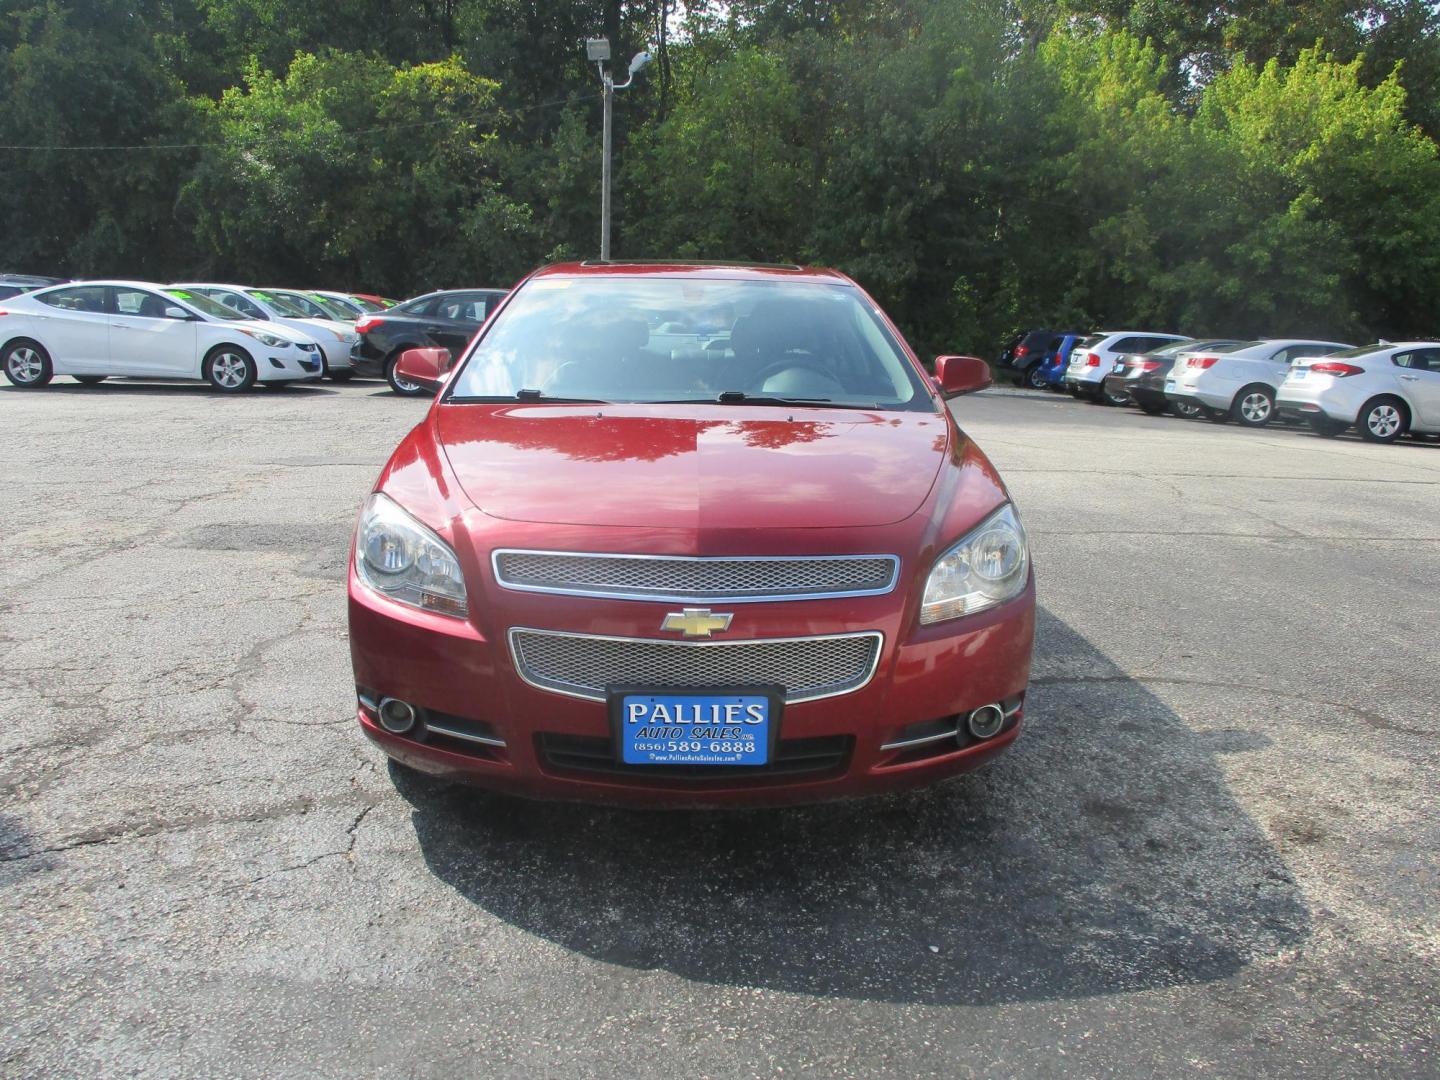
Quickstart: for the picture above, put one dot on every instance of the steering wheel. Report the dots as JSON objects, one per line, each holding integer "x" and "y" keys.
{"x": 792, "y": 364}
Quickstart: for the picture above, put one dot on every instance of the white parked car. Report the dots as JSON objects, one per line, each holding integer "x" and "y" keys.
{"x": 314, "y": 307}
{"x": 359, "y": 303}
{"x": 95, "y": 329}
{"x": 335, "y": 337}
{"x": 1094, "y": 357}
{"x": 1385, "y": 390}
{"x": 1240, "y": 383}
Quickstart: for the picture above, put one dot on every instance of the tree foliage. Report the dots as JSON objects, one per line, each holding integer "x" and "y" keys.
{"x": 1254, "y": 166}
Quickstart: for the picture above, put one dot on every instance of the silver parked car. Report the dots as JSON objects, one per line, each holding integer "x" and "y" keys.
{"x": 1385, "y": 390}
{"x": 1240, "y": 383}
{"x": 335, "y": 338}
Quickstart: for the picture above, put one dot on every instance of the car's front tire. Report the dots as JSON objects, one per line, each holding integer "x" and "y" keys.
{"x": 229, "y": 369}
{"x": 1254, "y": 406}
{"x": 27, "y": 364}
{"x": 1383, "y": 420}
{"x": 403, "y": 387}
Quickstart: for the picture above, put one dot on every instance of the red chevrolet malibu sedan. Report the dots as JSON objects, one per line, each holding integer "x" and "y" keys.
{"x": 690, "y": 535}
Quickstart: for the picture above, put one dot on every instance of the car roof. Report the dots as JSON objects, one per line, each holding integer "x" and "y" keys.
{"x": 736, "y": 271}
{"x": 1301, "y": 341}
{"x": 115, "y": 282}
{"x": 1142, "y": 333}
{"x": 37, "y": 280}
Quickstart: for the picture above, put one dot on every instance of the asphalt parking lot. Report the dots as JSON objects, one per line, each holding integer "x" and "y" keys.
{"x": 1213, "y": 852}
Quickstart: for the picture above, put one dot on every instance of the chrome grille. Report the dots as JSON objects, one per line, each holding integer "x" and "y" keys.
{"x": 584, "y": 665}
{"x": 697, "y": 579}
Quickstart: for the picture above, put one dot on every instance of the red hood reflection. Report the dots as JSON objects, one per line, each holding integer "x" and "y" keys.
{"x": 692, "y": 466}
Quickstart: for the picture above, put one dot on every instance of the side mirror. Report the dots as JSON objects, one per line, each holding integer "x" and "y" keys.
{"x": 173, "y": 312}
{"x": 956, "y": 375}
{"x": 428, "y": 367}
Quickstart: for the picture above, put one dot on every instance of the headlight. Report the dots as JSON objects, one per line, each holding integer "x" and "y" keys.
{"x": 268, "y": 340}
{"x": 400, "y": 558}
{"x": 987, "y": 567}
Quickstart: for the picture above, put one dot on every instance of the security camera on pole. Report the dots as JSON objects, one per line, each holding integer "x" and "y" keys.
{"x": 598, "y": 50}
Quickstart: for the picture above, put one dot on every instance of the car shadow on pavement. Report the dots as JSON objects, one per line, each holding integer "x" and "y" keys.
{"x": 1103, "y": 853}
{"x": 135, "y": 386}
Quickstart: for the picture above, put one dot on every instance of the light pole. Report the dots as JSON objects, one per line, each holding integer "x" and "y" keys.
{"x": 598, "y": 50}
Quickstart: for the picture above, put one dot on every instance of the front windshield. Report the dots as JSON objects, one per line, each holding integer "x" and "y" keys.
{"x": 279, "y": 304}
{"x": 1177, "y": 347}
{"x": 338, "y": 308}
{"x": 691, "y": 339}
{"x": 206, "y": 306}
{"x": 310, "y": 307}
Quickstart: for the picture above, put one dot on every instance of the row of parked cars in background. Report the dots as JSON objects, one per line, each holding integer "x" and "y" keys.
{"x": 1383, "y": 390}
{"x": 231, "y": 336}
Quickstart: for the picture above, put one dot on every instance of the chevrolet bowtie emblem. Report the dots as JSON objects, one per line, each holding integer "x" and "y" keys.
{"x": 696, "y": 622}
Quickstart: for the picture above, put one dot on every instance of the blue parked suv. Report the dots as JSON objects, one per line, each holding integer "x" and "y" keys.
{"x": 1050, "y": 373}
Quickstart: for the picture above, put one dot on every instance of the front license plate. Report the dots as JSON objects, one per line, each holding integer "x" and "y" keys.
{"x": 726, "y": 728}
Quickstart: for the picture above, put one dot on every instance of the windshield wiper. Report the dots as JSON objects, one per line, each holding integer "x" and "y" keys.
{"x": 535, "y": 397}
{"x": 540, "y": 395}
{"x": 739, "y": 397}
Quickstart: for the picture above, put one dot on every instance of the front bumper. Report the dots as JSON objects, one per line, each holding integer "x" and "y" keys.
{"x": 338, "y": 354}
{"x": 518, "y": 738}
{"x": 289, "y": 365}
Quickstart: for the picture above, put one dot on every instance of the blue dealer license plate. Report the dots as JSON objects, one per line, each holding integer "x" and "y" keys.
{"x": 732, "y": 728}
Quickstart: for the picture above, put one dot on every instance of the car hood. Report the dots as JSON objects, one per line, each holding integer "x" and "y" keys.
{"x": 288, "y": 333}
{"x": 707, "y": 467}
{"x": 343, "y": 329}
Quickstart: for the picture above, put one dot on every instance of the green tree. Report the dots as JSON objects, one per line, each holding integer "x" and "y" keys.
{"x": 353, "y": 170}
{"x": 95, "y": 78}
{"x": 1350, "y": 189}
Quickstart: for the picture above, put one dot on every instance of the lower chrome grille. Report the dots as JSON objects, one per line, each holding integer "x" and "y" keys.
{"x": 584, "y": 665}
{"x": 793, "y": 757}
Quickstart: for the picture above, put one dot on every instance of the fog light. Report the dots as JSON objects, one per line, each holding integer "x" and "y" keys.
{"x": 396, "y": 716}
{"x": 986, "y": 721}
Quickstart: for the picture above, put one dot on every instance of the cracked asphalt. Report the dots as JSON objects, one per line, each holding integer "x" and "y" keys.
{"x": 1212, "y": 852}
